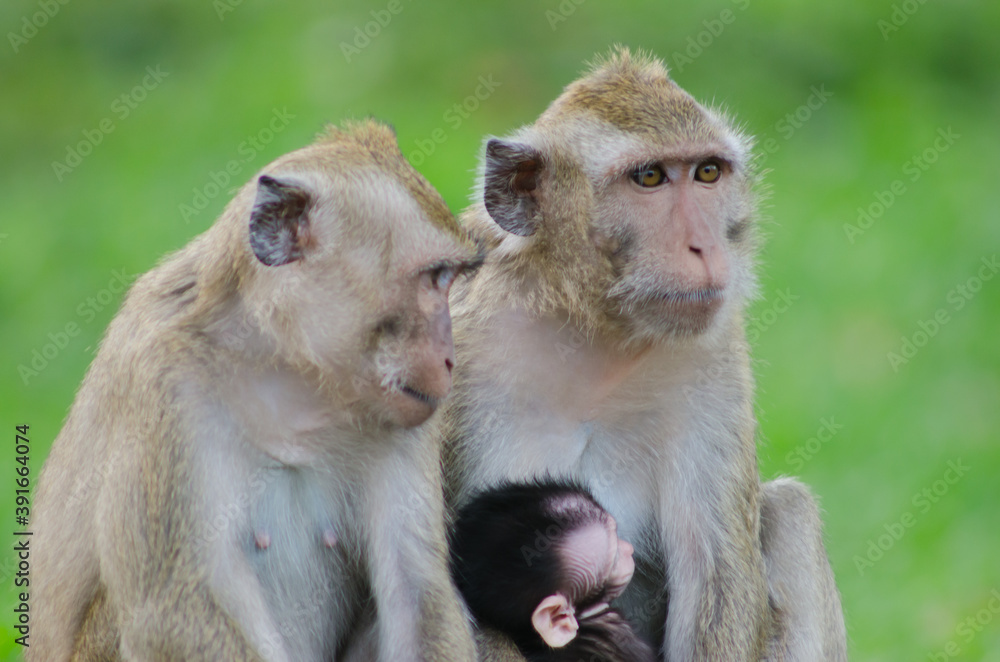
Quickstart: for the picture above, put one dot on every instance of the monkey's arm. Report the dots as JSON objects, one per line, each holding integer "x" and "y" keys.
{"x": 715, "y": 571}
{"x": 182, "y": 616}
{"x": 65, "y": 573}
{"x": 421, "y": 616}
{"x": 194, "y": 602}
{"x": 183, "y": 588}
{"x": 808, "y": 618}
{"x": 185, "y": 623}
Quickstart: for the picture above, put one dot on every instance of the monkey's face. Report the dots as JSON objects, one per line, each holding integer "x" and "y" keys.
{"x": 639, "y": 199}
{"x": 597, "y": 563}
{"x": 364, "y": 257}
{"x": 410, "y": 351}
{"x": 595, "y": 567}
{"x": 402, "y": 267}
{"x": 663, "y": 226}
{"x": 406, "y": 265}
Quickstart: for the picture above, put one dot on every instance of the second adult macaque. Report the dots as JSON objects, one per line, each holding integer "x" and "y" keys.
{"x": 602, "y": 341}
{"x": 236, "y": 478}
{"x": 542, "y": 562}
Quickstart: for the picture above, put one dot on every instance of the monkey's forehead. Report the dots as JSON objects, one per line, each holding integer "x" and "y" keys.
{"x": 370, "y": 144}
{"x": 635, "y": 95}
{"x": 394, "y": 225}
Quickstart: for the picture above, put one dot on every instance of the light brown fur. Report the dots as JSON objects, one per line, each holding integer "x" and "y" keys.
{"x": 236, "y": 478}
{"x": 603, "y": 340}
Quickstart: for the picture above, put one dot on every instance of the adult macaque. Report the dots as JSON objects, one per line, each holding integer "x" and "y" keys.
{"x": 236, "y": 477}
{"x": 602, "y": 341}
{"x": 541, "y": 562}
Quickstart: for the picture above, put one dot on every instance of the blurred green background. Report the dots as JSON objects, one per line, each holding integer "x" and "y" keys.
{"x": 890, "y": 108}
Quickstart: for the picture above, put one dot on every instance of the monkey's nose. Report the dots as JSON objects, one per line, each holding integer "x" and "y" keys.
{"x": 448, "y": 364}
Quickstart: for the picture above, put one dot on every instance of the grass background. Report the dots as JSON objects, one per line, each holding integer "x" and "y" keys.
{"x": 891, "y": 86}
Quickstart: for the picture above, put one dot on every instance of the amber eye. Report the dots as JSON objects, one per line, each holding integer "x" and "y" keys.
{"x": 649, "y": 176}
{"x": 708, "y": 172}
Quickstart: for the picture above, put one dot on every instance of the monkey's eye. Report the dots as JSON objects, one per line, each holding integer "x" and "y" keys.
{"x": 649, "y": 176}
{"x": 708, "y": 172}
{"x": 443, "y": 277}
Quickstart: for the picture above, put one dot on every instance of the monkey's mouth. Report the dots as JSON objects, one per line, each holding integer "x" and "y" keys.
{"x": 687, "y": 311}
{"x": 419, "y": 396}
{"x": 707, "y": 296}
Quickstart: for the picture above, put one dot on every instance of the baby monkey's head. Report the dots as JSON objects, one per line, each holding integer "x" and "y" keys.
{"x": 542, "y": 562}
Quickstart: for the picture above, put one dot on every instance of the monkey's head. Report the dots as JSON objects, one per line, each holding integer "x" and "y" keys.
{"x": 627, "y": 204}
{"x": 542, "y": 562}
{"x": 354, "y": 254}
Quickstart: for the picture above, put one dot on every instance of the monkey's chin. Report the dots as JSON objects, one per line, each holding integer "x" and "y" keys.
{"x": 411, "y": 407}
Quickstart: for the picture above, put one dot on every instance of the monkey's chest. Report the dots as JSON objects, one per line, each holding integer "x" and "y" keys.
{"x": 297, "y": 543}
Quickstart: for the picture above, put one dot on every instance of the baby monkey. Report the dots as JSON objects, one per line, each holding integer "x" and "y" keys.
{"x": 541, "y": 562}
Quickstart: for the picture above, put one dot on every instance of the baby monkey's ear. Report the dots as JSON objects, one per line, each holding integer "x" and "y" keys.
{"x": 555, "y": 620}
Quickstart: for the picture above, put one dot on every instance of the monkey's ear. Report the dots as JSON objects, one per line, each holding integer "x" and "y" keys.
{"x": 510, "y": 186}
{"x": 555, "y": 620}
{"x": 278, "y": 222}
